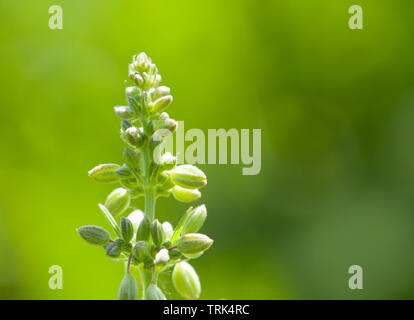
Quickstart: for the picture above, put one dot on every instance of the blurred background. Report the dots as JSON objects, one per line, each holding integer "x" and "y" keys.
{"x": 336, "y": 109}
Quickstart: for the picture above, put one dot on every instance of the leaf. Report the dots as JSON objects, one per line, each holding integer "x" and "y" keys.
{"x": 179, "y": 227}
{"x": 110, "y": 219}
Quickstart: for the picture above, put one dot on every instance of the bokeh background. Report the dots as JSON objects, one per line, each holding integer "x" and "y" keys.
{"x": 336, "y": 109}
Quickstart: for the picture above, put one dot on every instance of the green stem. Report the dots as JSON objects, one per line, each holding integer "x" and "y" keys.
{"x": 150, "y": 203}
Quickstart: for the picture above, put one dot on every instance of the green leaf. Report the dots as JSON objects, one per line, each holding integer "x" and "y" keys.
{"x": 180, "y": 225}
{"x": 110, "y": 219}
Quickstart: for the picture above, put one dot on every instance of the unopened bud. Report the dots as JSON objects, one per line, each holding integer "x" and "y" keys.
{"x": 186, "y": 281}
{"x": 193, "y": 243}
{"x": 154, "y": 293}
{"x": 124, "y": 112}
{"x": 105, "y": 173}
{"x": 134, "y": 136}
{"x": 125, "y": 124}
{"x": 127, "y": 229}
{"x": 141, "y": 251}
{"x": 162, "y": 257}
{"x": 175, "y": 254}
{"x": 161, "y": 104}
{"x": 157, "y": 232}
{"x": 144, "y": 230}
{"x": 195, "y": 219}
{"x": 128, "y": 289}
{"x": 189, "y": 176}
{"x": 124, "y": 172}
{"x": 136, "y": 217}
{"x": 94, "y": 235}
{"x": 113, "y": 249}
{"x": 168, "y": 230}
{"x": 185, "y": 195}
{"x": 118, "y": 201}
{"x": 131, "y": 157}
{"x": 159, "y": 92}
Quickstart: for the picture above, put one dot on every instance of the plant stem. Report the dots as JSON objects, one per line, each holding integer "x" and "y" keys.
{"x": 150, "y": 203}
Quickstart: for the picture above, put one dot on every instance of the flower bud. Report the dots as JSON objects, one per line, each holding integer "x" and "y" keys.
{"x": 167, "y": 161}
{"x": 168, "y": 230}
{"x": 124, "y": 172}
{"x": 175, "y": 254}
{"x": 118, "y": 201}
{"x": 186, "y": 281}
{"x": 188, "y": 176}
{"x": 125, "y": 124}
{"x": 161, "y": 104}
{"x": 193, "y": 243}
{"x": 128, "y": 289}
{"x": 139, "y": 81}
{"x": 154, "y": 293}
{"x": 136, "y": 217}
{"x": 157, "y": 232}
{"x": 142, "y": 62}
{"x": 127, "y": 229}
{"x": 162, "y": 257}
{"x": 124, "y": 112}
{"x": 159, "y": 92}
{"x": 134, "y": 136}
{"x": 164, "y": 115}
{"x": 133, "y": 95}
{"x": 157, "y": 80}
{"x": 94, "y": 235}
{"x": 141, "y": 251}
{"x": 131, "y": 157}
{"x": 195, "y": 220}
{"x": 185, "y": 195}
{"x": 104, "y": 173}
{"x": 144, "y": 230}
{"x": 113, "y": 249}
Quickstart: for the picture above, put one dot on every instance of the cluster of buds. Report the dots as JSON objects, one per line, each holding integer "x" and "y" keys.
{"x": 142, "y": 241}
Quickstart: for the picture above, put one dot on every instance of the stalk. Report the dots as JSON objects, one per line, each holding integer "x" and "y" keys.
{"x": 156, "y": 246}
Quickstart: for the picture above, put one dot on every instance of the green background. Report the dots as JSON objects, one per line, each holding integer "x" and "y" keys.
{"x": 336, "y": 109}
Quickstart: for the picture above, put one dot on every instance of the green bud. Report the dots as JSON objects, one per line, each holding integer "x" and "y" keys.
{"x": 136, "y": 217}
{"x": 127, "y": 229}
{"x": 193, "y": 243}
{"x": 164, "y": 115}
{"x": 144, "y": 230}
{"x": 161, "y": 104}
{"x": 105, "y": 173}
{"x": 131, "y": 183}
{"x": 139, "y": 81}
{"x": 159, "y": 92}
{"x": 141, "y": 62}
{"x": 185, "y": 195}
{"x": 94, "y": 235}
{"x": 113, "y": 249}
{"x": 118, "y": 201}
{"x": 167, "y": 161}
{"x": 134, "y": 136}
{"x": 141, "y": 251}
{"x": 162, "y": 257}
{"x": 133, "y": 95}
{"x": 168, "y": 230}
{"x": 125, "y": 124}
{"x": 128, "y": 289}
{"x": 195, "y": 219}
{"x": 124, "y": 172}
{"x": 175, "y": 254}
{"x": 154, "y": 293}
{"x": 157, "y": 232}
{"x": 131, "y": 157}
{"x": 186, "y": 281}
{"x": 124, "y": 112}
{"x": 188, "y": 176}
